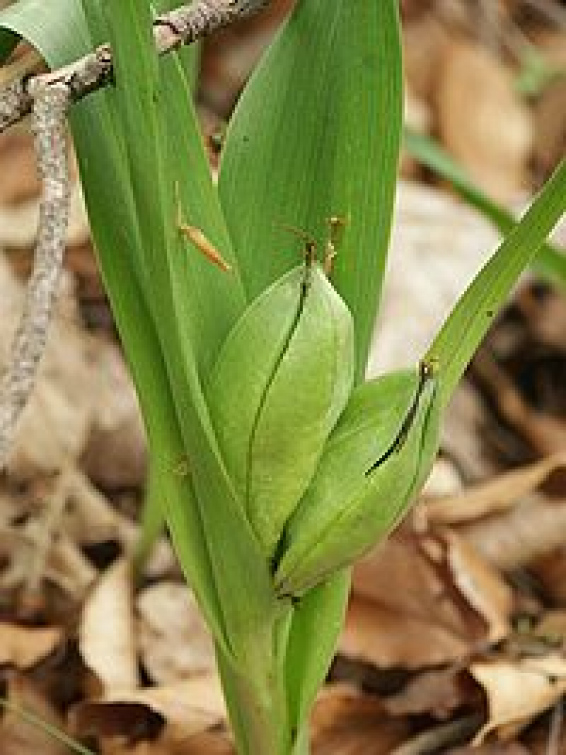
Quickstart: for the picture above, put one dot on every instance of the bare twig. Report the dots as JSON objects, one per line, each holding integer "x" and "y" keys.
{"x": 549, "y": 9}
{"x": 48, "y": 125}
{"x": 48, "y": 97}
{"x": 441, "y": 737}
{"x": 181, "y": 26}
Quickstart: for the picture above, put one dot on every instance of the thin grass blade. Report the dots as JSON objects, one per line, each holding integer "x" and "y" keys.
{"x": 465, "y": 327}
{"x": 550, "y": 262}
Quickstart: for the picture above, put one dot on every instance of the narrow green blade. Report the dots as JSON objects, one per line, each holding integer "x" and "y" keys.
{"x": 311, "y": 648}
{"x": 461, "y": 334}
{"x": 550, "y": 262}
{"x": 240, "y": 570}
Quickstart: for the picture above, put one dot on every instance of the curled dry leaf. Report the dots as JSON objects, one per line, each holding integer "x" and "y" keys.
{"x": 550, "y": 571}
{"x": 482, "y": 121}
{"x": 424, "y": 42}
{"x": 173, "y": 639}
{"x": 463, "y": 434}
{"x": 106, "y": 633}
{"x": 492, "y": 748}
{"x": 23, "y": 647}
{"x": 18, "y": 224}
{"x": 82, "y": 392}
{"x": 19, "y": 172}
{"x": 90, "y": 518}
{"x": 443, "y": 480}
{"x": 550, "y": 117}
{"x": 115, "y": 456}
{"x": 437, "y": 692}
{"x": 481, "y": 585}
{"x": 522, "y": 534}
{"x": 347, "y": 722}
{"x": 53, "y": 426}
{"x": 517, "y": 691}
{"x": 422, "y": 601}
{"x": 65, "y": 564}
{"x": 492, "y": 496}
{"x": 544, "y": 432}
{"x": 211, "y": 743}
{"x": 417, "y": 117}
{"x": 17, "y": 736}
{"x": 185, "y": 709}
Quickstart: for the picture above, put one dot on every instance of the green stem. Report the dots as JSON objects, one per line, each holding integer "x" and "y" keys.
{"x": 302, "y": 743}
{"x": 152, "y": 524}
{"x": 256, "y": 694}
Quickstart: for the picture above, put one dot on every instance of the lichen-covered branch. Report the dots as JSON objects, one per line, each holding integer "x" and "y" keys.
{"x": 181, "y": 26}
{"x": 48, "y": 126}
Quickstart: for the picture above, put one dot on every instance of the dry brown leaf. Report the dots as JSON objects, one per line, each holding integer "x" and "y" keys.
{"x": 90, "y": 518}
{"x": 517, "y": 691}
{"x": 495, "y": 748}
{"x": 173, "y": 639}
{"x": 23, "y": 647}
{"x": 544, "y": 432}
{"x": 550, "y": 126}
{"x": 185, "y": 708}
{"x": 418, "y": 118}
{"x": 492, "y": 496}
{"x": 54, "y": 425}
{"x": 346, "y": 722}
{"x": 68, "y": 568}
{"x": 18, "y": 224}
{"x": 520, "y": 535}
{"x": 376, "y": 634}
{"x": 106, "y": 633}
{"x": 83, "y": 391}
{"x": 19, "y": 173}
{"x": 438, "y": 692}
{"x": 463, "y": 434}
{"x": 18, "y": 736}
{"x": 421, "y": 601}
{"x": 443, "y": 480}
{"x": 424, "y": 42}
{"x": 115, "y": 456}
{"x": 209, "y": 743}
{"x": 65, "y": 565}
{"x": 482, "y": 121}
{"x": 551, "y": 629}
{"x": 481, "y": 585}
{"x": 550, "y": 571}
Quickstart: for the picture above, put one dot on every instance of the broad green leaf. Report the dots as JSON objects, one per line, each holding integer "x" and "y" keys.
{"x": 58, "y": 30}
{"x": 240, "y": 571}
{"x": 316, "y": 134}
{"x": 467, "y": 324}
{"x": 550, "y": 262}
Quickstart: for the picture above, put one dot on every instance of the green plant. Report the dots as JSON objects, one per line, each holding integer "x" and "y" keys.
{"x": 237, "y": 370}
